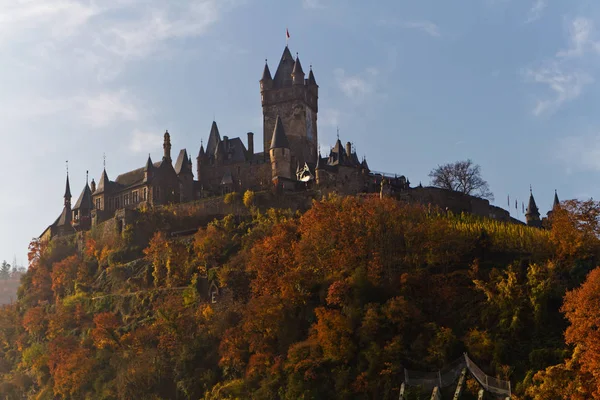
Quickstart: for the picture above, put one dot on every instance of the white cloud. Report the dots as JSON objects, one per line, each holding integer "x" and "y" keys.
{"x": 580, "y": 152}
{"x": 581, "y": 38}
{"x": 144, "y": 142}
{"x": 90, "y": 110}
{"x": 567, "y": 74}
{"x": 356, "y": 87}
{"x": 564, "y": 85}
{"x": 536, "y": 10}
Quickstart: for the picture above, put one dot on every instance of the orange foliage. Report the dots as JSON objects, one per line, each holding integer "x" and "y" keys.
{"x": 63, "y": 275}
{"x": 581, "y": 308}
{"x": 34, "y": 322}
{"x": 334, "y": 334}
{"x": 70, "y": 365}
{"x": 104, "y": 333}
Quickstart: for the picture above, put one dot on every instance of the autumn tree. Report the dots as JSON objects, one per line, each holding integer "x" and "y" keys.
{"x": 461, "y": 176}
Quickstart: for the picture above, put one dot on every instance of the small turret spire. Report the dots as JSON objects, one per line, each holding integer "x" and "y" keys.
{"x": 280, "y": 139}
{"x": 297, "y": 72}
{"x": 67, "y": 195}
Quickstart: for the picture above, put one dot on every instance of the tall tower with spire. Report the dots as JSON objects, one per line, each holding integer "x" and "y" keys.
{"x": 294, "y": 99}
{"x": 167, "y": 147}
{"x": 532, "y": 215}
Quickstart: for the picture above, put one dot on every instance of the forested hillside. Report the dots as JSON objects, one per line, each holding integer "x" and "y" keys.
{"x": 331, "y": 304}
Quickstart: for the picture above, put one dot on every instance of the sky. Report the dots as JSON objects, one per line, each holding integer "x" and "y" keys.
{"x": 510, "y": 84}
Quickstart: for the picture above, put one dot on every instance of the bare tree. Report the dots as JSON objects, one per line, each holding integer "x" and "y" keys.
{"x": 461, "y": 176}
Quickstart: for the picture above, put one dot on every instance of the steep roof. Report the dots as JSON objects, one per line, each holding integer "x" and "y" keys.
{"x": 67, "y": 189}
{"x": 134, "y": 177}
{"x": 311, "y": 78}
{"x": 297, "y": 70}
{"x": 182, "y": 163}
{"x": 283, "y": 75}
{"x": 64, "y": 219}
{"x": 266, "y": 76}
{"x": 213, "y": 139}
{"x": 103, "y": 183}
{"x": 280, "y": 140}
{"x": 532, "y": 208}
{"x": 85, "y": 199}
{"x": 149, "y": 165}
{"x": 556, "y": 203}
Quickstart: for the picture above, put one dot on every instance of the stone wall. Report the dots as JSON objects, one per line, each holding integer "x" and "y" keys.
{"x": 455, "y": 202}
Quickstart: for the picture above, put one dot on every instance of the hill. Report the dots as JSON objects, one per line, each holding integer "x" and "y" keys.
{"x": 332, "y": 303}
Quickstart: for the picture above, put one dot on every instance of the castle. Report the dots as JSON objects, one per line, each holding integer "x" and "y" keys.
{"x": 289, "y": 161}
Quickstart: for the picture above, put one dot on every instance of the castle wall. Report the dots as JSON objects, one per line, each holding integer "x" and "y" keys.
{"x": 455, "y": 202}
{"x": 246, "y": 175}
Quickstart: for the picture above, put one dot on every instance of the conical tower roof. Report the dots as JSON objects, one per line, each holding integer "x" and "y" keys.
{"x": 283, "y": 75}
{"x": 214, "y": 138}
{"x": 85, "y": 199}
{"x": 311, "y": 78}
{"x": 266, "y": 76}
{"x": 532, "y": 208}
{"x": 280, "y": 139}
{"x": 67, "y": 195}
{"x": 556, "y": 203}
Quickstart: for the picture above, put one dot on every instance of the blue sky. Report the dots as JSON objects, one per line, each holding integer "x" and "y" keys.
{"x": 510, "y": 84}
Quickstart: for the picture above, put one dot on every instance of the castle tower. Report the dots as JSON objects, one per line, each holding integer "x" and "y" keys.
{"x": 555, "y": 205}
{"x": 67, "y": 195}
{"x": 533, "y": 213}
{"x": 295, "y": 100}
{"x": 279, "y": 152}
{"x": 167, "y": 147}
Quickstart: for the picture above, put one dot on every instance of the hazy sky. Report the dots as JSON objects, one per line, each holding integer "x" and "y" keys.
{"x": 507, "y": 83}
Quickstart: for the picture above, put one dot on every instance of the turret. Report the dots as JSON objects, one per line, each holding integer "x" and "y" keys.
{"x": 148, "y": 169}
{"x": 555, "y": 205}
{"x": 533, "y": 214}
{"x": 297, "y": 72}
{"x": 311, "y": 78}
{"x": 266, "y": 82}
{"x": 167, "y": 147}
{"x": 280, "y": 152}
{"x": 67, "y": 195}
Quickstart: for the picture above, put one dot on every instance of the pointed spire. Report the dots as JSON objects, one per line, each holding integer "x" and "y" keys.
{"x": 532, "y": 208}
{"x": 214, "y": 138}
{"x": 67, "y": 195}
{"x": 149, "y": 164}
{"x": 556, "y": 203}
{"x": 311, "y": 77}
{"x": 283, "y": 75}
{"x": 297, "y": 72}
{"x": 280, "y": 140}
{"x": 266, "y": 76}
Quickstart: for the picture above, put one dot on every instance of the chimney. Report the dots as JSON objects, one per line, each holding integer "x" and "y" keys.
{"x": 250, "y": 143}
{"x": 348, "y": 149}
{"x": 226, "y": 143}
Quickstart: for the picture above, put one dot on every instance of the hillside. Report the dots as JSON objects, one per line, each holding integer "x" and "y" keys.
{"x": 333, "y": 303}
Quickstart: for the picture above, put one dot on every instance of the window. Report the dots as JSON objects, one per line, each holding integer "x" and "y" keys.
{"x": 97, "y": 204}
{"x": 135, "y": 197}
{"x": 145, "y": 194}
{"x": 126, "y": 199}
{"x": 213, "y": 295}
{"x": 116, "y": 203}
